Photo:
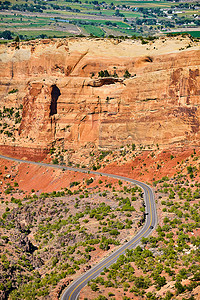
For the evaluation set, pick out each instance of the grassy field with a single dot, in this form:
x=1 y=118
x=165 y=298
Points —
x=49 y=33
x=145 y=4
x=96 y=31
x=195 y=34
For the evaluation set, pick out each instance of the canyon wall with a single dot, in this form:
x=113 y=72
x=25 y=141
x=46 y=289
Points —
x=65 y=101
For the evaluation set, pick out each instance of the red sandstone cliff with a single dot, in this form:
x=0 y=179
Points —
x=64 y=99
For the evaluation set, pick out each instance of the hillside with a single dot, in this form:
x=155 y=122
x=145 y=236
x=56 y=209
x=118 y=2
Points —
x=56 y=224
x=122 y=106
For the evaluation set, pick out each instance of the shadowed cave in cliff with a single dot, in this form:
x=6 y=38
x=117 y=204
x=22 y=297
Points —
x=55 y=93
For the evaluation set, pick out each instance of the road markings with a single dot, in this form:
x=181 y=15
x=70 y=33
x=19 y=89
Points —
x=119 y=252
x=144 y=187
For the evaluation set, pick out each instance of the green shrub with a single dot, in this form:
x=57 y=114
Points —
x=127 y=74
x=13 y=91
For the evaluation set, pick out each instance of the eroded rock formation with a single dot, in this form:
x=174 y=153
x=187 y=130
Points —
x=65 y=100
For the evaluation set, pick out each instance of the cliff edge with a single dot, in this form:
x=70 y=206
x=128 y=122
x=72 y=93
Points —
x=99 y=93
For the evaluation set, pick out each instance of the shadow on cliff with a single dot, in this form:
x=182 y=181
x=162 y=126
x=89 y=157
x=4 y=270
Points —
x=55 y=93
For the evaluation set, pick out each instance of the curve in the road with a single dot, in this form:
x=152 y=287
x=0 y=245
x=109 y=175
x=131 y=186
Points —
x=72 y=292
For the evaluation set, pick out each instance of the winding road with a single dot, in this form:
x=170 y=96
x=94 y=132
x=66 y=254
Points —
x=73 y=290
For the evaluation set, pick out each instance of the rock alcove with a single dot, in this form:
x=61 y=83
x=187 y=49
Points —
x=55 y=93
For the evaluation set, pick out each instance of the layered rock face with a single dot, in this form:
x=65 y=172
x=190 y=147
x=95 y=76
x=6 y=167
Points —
x=64 y=100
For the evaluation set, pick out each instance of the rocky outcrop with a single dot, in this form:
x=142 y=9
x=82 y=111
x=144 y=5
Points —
x=17 y=151
x=64 y=99
x=104 y=81
x=26 y=245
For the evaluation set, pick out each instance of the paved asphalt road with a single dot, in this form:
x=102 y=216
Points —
x=72 y=292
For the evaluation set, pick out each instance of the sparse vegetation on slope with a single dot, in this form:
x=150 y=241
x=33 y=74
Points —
x=50 y=237
x=166 y=265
